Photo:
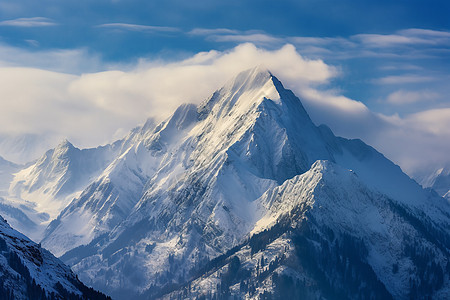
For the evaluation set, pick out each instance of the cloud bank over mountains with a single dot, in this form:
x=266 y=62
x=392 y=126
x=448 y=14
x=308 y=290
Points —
x=96 y=107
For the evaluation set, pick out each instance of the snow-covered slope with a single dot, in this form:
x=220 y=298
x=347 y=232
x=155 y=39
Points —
x=28 y=271
x=195 y=186
x=326 y=234
x=61 y=172
x=333 y=197
x=197 y=146
x=40 y=190
x=34 y=194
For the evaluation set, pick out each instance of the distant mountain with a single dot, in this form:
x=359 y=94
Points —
x=59 y=173
x=24 y=148
x=28 y=271
x=242 y=196
x=438 y=180
x=37 y=192
x=32 y=195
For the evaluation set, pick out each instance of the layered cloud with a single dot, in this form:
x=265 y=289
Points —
x=406 y=97
x=98 y=107
x=410 y=43
x=94 y=108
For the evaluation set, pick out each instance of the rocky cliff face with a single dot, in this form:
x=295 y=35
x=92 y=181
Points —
x=28 y=271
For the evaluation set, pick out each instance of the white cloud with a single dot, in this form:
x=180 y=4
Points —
x=29 y=22
x=406 y=97
x=417 y=141
x=425 y=33
x=93 y=108
x=435 y=121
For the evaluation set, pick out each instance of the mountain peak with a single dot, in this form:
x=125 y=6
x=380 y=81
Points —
x=242 y=93
x=65 y=143
x=253 y=78
x=330 y=168
x=63 y=148
x=253 y=73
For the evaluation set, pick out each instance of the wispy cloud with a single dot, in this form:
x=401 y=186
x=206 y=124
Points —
x=389 y=40
x=137 y=27
x=436 y=121
x=425 y=32
x=412 y=36
x=403 y=79
x=118 y=100
x=402 y=97
x=33 y=43
x=422 y=43
x=256 y=38
x=397 y=66
x=226 y=35
x=29 y=22
x=321 y=41
x=215 y=31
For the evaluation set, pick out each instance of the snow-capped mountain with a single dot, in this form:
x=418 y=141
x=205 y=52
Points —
x=326 y=234
x=36 y=193
x=210 y=177
x=58 y=174
x=28 y=271
x=242 y=195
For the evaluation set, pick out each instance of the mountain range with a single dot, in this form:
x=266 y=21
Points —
x=243 y=196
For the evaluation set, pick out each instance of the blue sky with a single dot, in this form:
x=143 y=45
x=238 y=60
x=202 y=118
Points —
x=391 y=56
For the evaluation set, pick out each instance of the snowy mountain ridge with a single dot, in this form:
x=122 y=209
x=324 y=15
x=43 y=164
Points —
x=307 y=240
x=245 y=172
x=34 y=194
